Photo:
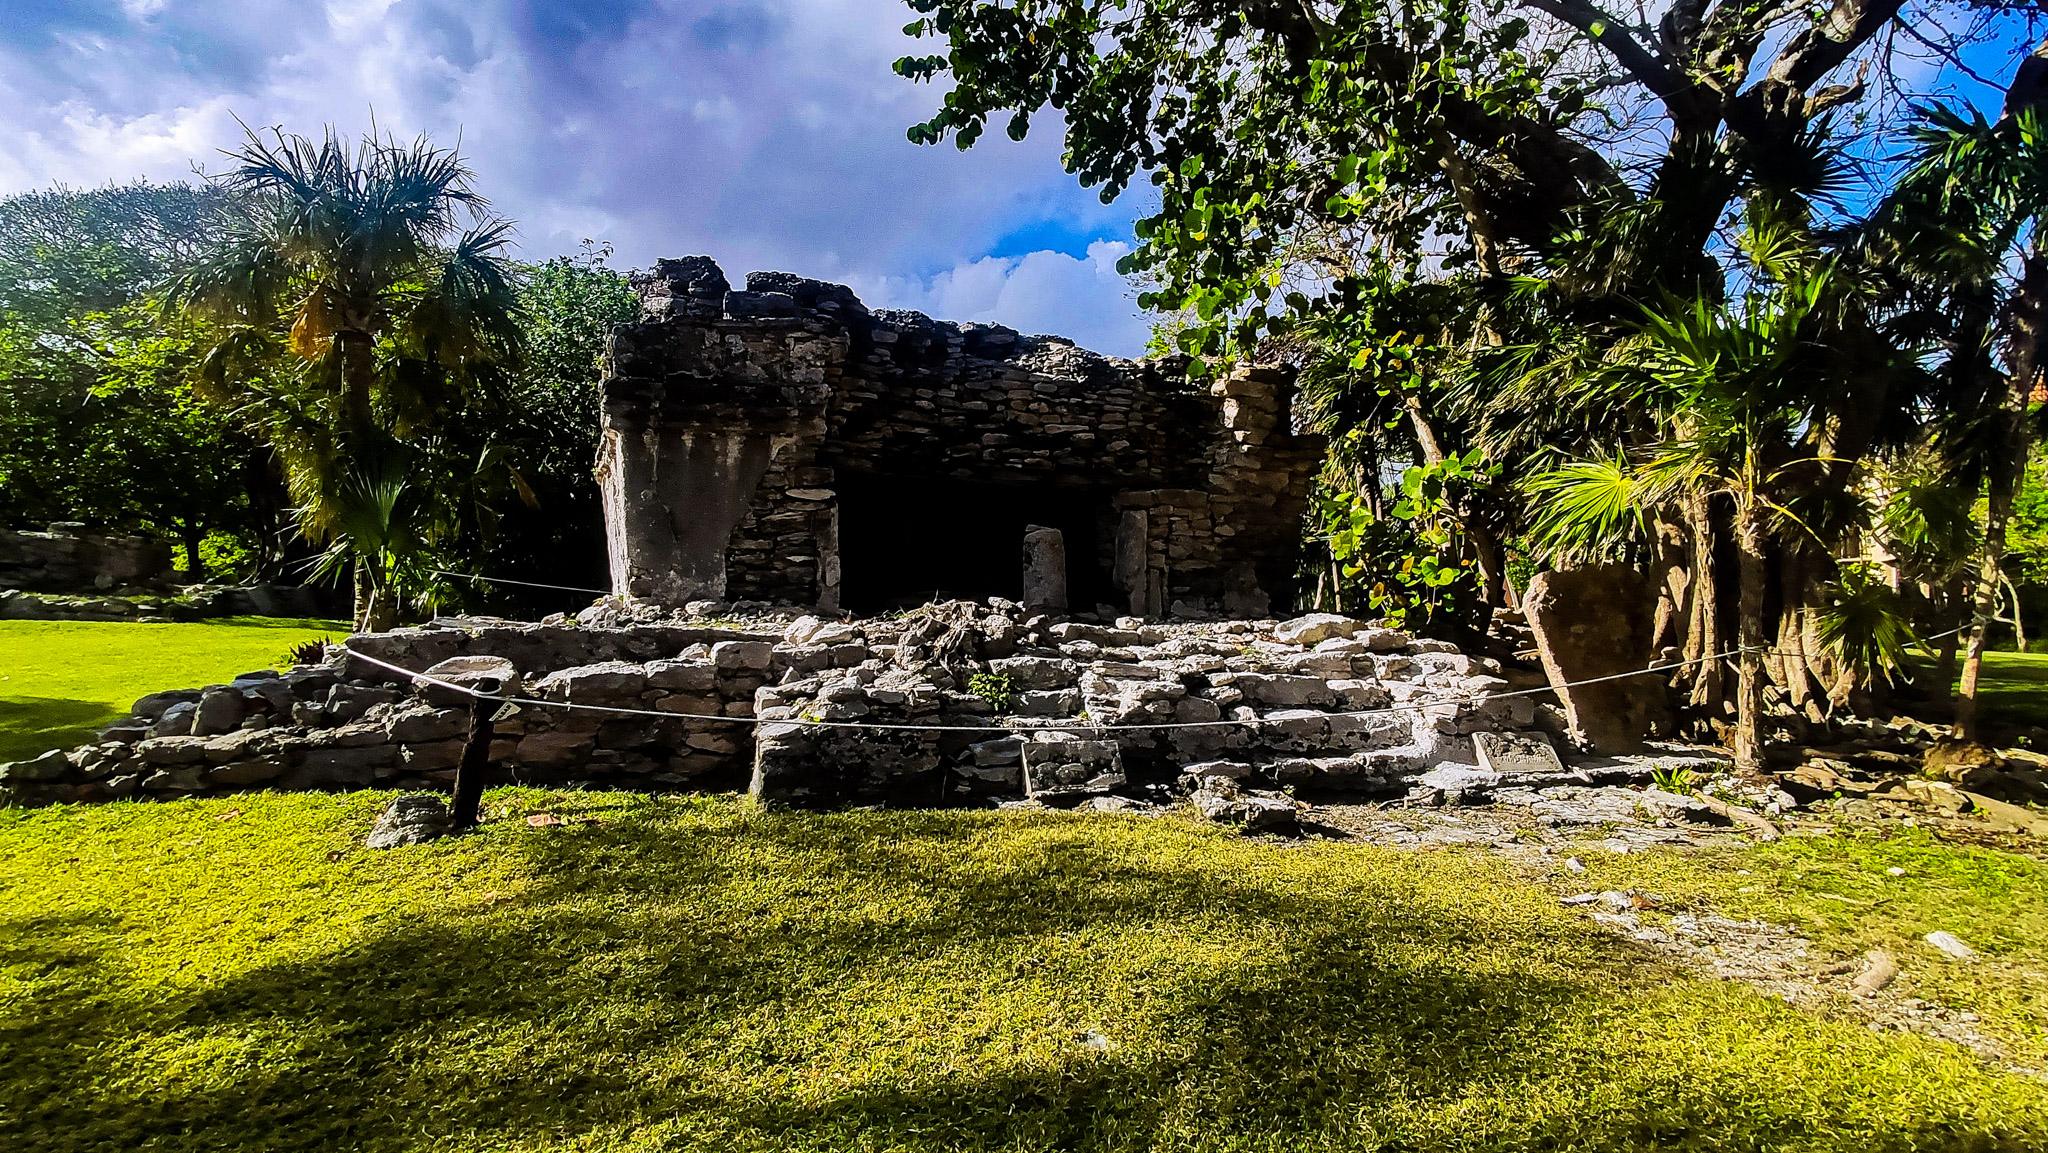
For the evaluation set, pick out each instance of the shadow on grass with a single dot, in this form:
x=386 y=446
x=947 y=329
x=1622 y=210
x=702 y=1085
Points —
x=784 y=982
x=30 y=726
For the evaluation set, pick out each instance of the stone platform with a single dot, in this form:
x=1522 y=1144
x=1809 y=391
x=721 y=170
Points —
x=994 y=703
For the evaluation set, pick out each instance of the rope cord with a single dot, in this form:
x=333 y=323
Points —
x=510 y=581
x=1027 y=726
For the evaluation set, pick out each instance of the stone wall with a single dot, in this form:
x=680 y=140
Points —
x=1249 y=704
x=743 y=430
x=70 y=559
x=188 y=603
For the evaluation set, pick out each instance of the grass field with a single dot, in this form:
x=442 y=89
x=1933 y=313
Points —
x=2013 y=689
x=663 y=973
x=61 y=680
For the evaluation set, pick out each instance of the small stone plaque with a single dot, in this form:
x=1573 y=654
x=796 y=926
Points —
x=1513 y=754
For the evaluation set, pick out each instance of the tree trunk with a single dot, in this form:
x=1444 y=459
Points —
x=1493 y=568
x=1749 y=631
x=358 y=378
x=2008 y=463
x=190 y=537
x=1945 y=664
x=1703 y=634
x=376 y=601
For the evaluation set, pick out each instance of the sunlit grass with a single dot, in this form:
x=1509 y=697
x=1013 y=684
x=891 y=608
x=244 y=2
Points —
x=61 y=680
x=663 y=973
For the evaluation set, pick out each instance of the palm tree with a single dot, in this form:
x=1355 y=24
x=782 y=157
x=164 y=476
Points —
x=1969 y=207
x=359 y=293
x=1737 y=390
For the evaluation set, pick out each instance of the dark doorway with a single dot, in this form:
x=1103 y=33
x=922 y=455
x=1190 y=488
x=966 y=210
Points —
x=905 y=541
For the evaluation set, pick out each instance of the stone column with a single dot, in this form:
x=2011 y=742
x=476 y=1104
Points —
x=1133 y=557
x=672 y=498
x=1045 y=569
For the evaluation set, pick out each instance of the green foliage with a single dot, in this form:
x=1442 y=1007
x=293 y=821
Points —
x=61 y=680
x=1867 y=623
x=363 y=310
x=998 y=689
x=1404 y=564
x=666 y=973
x=98 y=421
x=546 y=421
x=1675 y=779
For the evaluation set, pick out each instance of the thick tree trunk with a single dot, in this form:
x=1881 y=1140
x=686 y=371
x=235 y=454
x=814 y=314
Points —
x=376 y=602
x=358 y=378
x=2008 y=463
x=1493 y=567
x=1749 y=628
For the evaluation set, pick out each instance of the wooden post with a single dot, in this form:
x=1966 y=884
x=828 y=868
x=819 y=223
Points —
x=476 y=755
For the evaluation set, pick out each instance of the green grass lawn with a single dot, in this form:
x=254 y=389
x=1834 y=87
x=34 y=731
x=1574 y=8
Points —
x=666 y=973
x=2013 y=689
x=61 y=680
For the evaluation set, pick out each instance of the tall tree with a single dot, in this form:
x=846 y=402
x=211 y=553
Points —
x=97 y=419
x=379 y=267
x=1520 y=182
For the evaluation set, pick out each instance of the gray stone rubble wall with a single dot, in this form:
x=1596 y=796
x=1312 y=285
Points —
x=190 y=603
x=347 y=723
x=731 y=419
x=70 y=559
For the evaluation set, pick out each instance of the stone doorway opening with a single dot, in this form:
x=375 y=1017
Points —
x=904 y=541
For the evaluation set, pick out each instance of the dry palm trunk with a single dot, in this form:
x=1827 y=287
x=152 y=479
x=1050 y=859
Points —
x=2009 y=458
x=1703 y=632
x=1749 y=635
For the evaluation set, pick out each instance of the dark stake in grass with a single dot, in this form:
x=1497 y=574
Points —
x=476 y=754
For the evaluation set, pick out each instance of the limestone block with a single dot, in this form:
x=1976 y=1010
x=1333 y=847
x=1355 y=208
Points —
x=1045 y=569
x=682 y=676
x=176 y=720
x=1512 y=754
x=1062 y=765
x=605 y=683
x=1038 y=672
x=742 y=656
x=1316 y=628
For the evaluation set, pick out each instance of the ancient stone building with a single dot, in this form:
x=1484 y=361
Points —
x=786 y=444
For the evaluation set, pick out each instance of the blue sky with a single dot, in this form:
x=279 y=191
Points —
x=768 y=133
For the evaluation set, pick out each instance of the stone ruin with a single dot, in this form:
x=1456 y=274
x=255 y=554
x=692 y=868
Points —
x=1095 y=546
x=786 y=444
x=999 y=703
x=70 y=558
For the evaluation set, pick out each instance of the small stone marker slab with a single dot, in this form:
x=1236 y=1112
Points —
x=1513 y=754
x=1064 y=765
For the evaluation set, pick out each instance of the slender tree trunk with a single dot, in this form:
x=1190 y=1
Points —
x=195 y=571
x=1953 y=600
x=1749 y=630
x=1493 y=568
x=2019 y=624
x=2008 y=462
x=1703 y=636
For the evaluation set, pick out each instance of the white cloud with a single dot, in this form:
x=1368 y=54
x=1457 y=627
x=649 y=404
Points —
x=1084 y=299
x=767 y=133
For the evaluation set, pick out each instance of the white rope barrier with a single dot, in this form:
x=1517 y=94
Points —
x=1026 y=726
x=1022 y=726
x=510 y=581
